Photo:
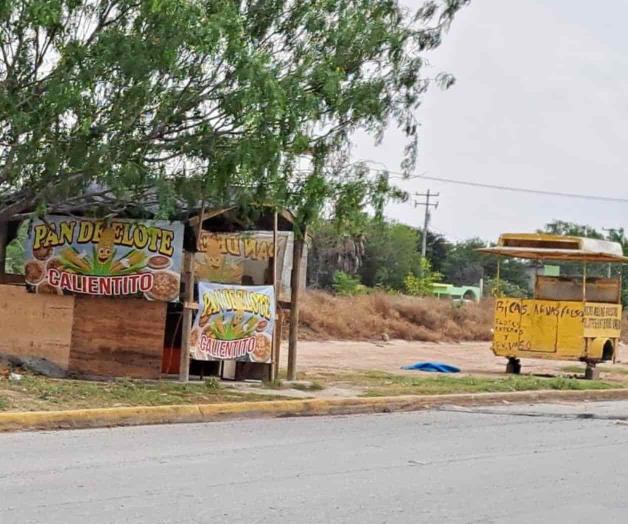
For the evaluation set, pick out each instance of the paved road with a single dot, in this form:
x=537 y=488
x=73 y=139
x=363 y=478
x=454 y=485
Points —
x=492 y=465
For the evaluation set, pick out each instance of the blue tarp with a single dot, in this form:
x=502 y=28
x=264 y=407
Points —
x=432 y=367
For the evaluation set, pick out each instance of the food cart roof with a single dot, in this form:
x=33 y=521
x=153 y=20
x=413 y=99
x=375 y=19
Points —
x=540 y=246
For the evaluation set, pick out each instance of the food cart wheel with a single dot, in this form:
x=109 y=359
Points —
x=591 y=372
x=513 y=366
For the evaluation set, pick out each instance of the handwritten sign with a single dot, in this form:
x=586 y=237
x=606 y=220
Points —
x=549 y=326
x=602 y=320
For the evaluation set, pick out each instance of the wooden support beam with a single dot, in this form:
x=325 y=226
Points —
x=186 y=327
x=295 y=286
x=274 y=370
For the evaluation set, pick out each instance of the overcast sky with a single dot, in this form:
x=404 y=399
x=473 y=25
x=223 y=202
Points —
x=540 y=101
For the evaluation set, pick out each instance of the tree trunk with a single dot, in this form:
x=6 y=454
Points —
x=295 y=289
x=4 y=237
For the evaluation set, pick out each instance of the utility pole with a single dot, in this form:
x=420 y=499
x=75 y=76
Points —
x=427 y=204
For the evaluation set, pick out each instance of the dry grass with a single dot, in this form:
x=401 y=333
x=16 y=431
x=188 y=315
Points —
x=328 y=317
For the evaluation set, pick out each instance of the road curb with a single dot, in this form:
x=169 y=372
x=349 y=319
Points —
x=145 y=415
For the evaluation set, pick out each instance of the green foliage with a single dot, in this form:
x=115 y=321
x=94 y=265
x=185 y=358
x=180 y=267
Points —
x=421 y=285
x=495 y=288
x=212 y=384
x=15 y=252
x=172 y=101
x=438 y=248
x=345 y=284
x=465 y=266
x=390 y=254
x=560 y=227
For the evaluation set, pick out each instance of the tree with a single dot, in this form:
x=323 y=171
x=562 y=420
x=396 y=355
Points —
x=15 y=253
x=421 y=285
x=465 y=266
x=437 y=249
x=201 y=99
x=560 y=227
x=331 y=251
x=390 y=254
x=165 y=102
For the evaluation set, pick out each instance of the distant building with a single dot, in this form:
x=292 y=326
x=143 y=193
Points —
x=471 y=293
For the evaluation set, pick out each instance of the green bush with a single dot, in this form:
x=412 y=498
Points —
x=348 y=285
x=421 y=285
x=504 y=288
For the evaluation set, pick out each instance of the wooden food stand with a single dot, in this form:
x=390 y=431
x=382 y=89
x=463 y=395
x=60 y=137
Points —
x=107 y=299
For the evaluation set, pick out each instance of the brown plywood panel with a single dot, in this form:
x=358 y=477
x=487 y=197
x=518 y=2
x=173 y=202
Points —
x=570 y=289
x=38 y=326
x=117 y=337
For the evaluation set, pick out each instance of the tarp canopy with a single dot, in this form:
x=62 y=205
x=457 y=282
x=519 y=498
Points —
x=538 y=246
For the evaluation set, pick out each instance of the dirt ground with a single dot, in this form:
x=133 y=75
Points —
x=473 y=358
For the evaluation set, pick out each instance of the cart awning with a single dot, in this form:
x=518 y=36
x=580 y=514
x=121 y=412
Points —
x=539 y=246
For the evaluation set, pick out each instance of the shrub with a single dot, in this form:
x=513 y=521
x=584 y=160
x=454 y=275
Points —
x=347 y=285
x=421 y=285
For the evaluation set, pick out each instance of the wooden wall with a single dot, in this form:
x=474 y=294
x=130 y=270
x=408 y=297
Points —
x=37 y=326
x=117 y=337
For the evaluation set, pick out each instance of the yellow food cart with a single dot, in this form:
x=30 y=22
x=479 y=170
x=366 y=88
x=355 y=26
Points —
x=570 y=317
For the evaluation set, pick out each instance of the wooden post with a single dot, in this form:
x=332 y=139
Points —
x=277 y=341
x=295 y=286
x=186 y=325
x=4 y=237
x=584 y=282
x=274 y=367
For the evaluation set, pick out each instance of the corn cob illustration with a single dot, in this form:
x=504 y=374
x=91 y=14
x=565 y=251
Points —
x=71 y=258
x=128 y=262
x=250 y=326
x=104 y=249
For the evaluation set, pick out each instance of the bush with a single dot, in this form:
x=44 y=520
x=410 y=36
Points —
x=505 y=288
x=421 y=285
x=347 y=285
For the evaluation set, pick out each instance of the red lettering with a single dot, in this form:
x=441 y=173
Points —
x=53 y=277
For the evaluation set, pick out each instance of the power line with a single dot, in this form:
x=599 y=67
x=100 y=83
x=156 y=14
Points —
x=513 y=189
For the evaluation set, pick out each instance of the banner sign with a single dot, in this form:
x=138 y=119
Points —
x=245 y=258
x=121 y=258
x=233 y=323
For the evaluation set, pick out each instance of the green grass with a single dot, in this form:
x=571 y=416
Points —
x=605 y=368
x=279 y=384
x=379 y=383
x=34 y=393
x=312 y=386
x=405 y=385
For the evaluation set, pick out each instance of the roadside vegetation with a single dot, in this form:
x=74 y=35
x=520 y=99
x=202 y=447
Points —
x=38 y=393
x=377 y=383
x=379 y=316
